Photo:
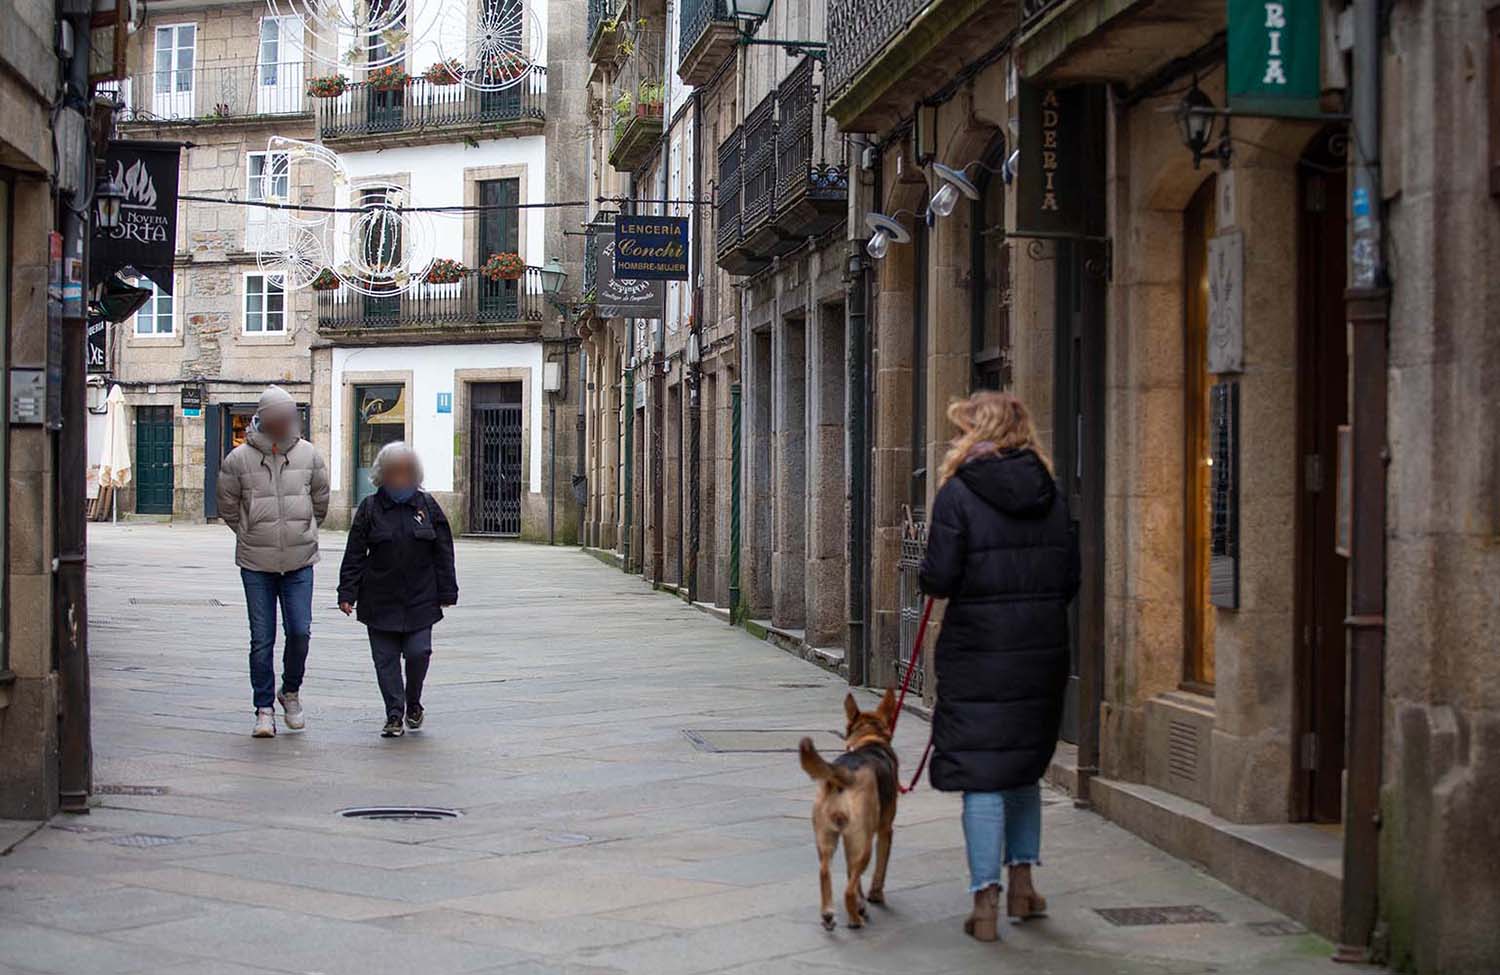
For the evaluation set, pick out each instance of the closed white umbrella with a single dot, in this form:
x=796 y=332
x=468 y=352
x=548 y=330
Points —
x=114 y=453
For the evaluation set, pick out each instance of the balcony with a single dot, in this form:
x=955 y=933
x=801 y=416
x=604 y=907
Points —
x=604 y=36
x=883 y=53
x=778 y=184
x=474 y=303
x=707 y=36
x=635 y=137
x=212 y=93
x=1127 y=41
x=422 y=110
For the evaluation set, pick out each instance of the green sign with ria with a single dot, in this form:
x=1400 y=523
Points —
x=1275 y=57
x=651 y=248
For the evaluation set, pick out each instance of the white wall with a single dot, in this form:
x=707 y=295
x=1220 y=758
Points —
x=432 y=369
x=437 y=179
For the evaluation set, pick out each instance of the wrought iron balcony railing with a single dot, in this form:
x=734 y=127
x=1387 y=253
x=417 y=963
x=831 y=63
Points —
x=472 y=301
x=858 y=29
x=363 y=110
x=706 y=35
x=729 y=190
x=212 y=93
x=1034 y=10
x=759 y=165
x=812 y=186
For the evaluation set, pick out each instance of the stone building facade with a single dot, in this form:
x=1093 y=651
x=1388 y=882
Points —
x=223 y=78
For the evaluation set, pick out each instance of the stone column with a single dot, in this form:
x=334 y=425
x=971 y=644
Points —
x=789 y=484
x=827 y=483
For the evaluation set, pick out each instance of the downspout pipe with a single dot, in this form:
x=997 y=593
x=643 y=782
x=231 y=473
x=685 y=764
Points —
x=857 y=403
x=694 y=371
x=1367 y=303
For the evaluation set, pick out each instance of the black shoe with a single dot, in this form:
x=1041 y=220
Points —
x=414 y=716
x=393 y=728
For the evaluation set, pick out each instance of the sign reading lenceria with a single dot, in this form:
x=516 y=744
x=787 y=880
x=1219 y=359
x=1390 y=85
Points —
x=651 y=248
x=1275 y=51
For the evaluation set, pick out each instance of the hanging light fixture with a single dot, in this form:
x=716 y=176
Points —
x=108 y=195
x=692 y=354
x=753 y=11
x=885 y=230
x=1195 y=122
x=553 y=276
x=955 y=184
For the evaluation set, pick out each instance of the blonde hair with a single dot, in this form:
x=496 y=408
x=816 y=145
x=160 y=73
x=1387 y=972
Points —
x=989 y=418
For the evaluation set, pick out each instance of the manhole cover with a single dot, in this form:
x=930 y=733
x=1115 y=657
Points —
x=156 y=601
x=1130 y=917
x=143 y=840
x=1277 y=929
x=400 y=813
x=760 y=739
x=130 y=790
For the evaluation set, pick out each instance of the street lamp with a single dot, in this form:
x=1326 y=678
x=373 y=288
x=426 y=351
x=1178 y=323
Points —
x=1195 y=123
x=886 y=230
x=955 y=183
x=754 y=11
x=108 y=195
x=750 y=14
x=553 y=277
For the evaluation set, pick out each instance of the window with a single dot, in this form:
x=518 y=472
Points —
x=267 y=176
x=270 y=49
x=379 y=419
x=175 y=49
x=155 y=316
x=265 y=304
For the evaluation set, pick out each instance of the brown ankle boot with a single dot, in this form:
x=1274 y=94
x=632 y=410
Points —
x=1021 y=900
x=982 y=924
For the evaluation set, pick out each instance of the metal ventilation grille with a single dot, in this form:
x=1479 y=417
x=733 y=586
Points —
x=1182 y=750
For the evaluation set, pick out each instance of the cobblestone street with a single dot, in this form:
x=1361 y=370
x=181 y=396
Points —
x=629 y=794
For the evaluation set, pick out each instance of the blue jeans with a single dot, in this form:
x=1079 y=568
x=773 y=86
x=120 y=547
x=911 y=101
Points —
x=1016 y=815
x=263 y=590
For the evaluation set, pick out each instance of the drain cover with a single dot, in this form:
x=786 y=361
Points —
x=143 y=840
x=1130 y=917
x=760 y=739
x=400 y=813
x=130 y=790
x=1277 y=929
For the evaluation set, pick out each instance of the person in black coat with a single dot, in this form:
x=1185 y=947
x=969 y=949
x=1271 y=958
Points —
x=398 y=571
x=1001 y=549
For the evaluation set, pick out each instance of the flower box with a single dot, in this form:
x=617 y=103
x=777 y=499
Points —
x=327 y=86
x=503 y=267
x=390 y=78
x=445 y=73
x=445 y=271
x=327 y=280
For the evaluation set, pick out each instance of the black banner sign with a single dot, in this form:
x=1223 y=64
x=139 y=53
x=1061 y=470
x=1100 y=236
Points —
x=624 y=297
x=146 y=238
x=97 y=348
x=651 y=248
x=1051 y=182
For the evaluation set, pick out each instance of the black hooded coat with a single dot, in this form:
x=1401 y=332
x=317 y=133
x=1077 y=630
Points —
x=1001 y=548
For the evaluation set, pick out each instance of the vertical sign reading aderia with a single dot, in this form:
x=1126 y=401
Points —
x=1275 y=56
x=146 y=238
x=1050 y=189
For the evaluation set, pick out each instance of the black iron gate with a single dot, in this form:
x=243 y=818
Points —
x=495 y=474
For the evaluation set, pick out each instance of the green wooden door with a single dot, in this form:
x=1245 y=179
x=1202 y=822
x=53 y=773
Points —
x=153 y=460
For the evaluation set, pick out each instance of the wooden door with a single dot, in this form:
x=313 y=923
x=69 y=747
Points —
x=1322 y=383
x=153 y=460
x=1198 y=611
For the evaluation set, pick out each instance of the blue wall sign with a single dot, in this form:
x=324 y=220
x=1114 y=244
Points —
x=651 y=248
x=445 y=402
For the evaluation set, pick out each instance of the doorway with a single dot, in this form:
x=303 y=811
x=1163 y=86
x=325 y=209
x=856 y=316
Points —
x=499 y=233
x=224 y=428
x=154 y=477
x=1322 y=408
x=1199 y=226
x=497 y=435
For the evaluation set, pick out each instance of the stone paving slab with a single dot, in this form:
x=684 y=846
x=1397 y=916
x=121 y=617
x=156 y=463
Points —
x=597 y=836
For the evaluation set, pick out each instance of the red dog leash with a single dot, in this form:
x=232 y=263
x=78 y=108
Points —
x=911 y=668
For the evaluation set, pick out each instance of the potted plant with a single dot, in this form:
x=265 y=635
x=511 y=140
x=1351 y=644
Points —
x=505 y=266
x=445 y=73
x=622 y=104
x=327 y=86
x=445 y=271
x=392 y=77
x=652 y=94
x=326 y=280
x=506 y=66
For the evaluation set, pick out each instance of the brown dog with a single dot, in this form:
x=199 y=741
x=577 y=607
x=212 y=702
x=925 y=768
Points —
x=857 y=801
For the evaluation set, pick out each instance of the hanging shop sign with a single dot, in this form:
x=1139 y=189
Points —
x=625 y=297
x=97 y=333
x=1275 y=51
x=192 y=400
x=146 y=238
x=1226 y=303
x=1051 y=187
x=651 y=248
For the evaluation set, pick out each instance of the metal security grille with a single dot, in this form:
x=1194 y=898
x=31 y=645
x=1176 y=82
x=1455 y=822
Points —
x=495 y=497
x=913 y=547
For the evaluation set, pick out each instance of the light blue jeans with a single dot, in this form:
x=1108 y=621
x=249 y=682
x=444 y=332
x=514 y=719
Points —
x=1014 y=815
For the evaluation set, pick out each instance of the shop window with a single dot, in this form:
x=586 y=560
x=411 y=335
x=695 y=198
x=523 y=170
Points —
x=1198 y=397
x=990 y=264
x=265 y=304
x=379 y=419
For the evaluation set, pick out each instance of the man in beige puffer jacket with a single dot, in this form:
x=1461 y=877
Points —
x=273 y=492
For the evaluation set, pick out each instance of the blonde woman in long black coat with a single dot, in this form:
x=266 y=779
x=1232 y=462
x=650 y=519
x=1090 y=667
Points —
x=1001 y=549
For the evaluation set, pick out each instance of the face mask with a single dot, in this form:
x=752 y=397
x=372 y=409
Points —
x=403 y=495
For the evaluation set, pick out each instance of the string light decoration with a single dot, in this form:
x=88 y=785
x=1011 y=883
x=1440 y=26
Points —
x=361 y=33
x=495 y=49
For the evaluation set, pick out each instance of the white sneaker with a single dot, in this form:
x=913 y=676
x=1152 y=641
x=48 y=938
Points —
x=265 y=723
x=292 y=705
